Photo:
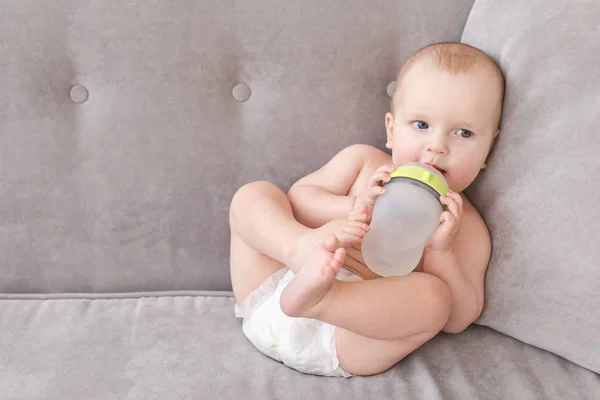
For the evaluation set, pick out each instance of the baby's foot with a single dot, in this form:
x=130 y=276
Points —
x=301 y=297
x=348 y=232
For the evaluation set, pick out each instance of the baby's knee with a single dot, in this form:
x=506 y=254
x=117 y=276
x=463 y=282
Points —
x=248 y=194
x=251 y=190
x=436 y=297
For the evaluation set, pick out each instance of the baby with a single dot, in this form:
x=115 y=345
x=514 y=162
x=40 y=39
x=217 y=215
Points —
x=300 y=282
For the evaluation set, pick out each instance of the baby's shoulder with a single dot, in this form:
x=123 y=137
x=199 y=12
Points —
x=366 y=152
x=470 y=210
x=473 y=232
x=368 y=157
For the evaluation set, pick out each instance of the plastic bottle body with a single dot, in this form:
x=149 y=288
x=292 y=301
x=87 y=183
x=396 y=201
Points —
x=404 y=218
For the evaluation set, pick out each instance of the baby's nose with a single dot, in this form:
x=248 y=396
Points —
x=437 y=147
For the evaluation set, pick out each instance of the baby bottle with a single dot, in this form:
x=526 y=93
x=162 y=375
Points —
x=404 y=218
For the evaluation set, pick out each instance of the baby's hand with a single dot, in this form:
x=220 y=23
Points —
x=365 y=201
x=444 y=237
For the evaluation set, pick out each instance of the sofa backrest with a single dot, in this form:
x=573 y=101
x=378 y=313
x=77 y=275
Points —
x=126 y=127
x=540 y=192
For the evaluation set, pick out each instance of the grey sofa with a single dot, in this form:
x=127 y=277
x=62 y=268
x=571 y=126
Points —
x=126 y=127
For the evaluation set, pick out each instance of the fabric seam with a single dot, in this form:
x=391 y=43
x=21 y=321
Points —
x=112 y=296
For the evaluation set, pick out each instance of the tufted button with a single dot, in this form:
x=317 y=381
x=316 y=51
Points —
x=79 y=94
x=241 y=92
x=390 y=88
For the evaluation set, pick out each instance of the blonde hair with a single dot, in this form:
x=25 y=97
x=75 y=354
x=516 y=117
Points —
x=454 y=58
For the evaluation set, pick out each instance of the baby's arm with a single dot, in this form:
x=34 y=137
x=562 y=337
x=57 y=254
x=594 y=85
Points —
x=322 y=196
x=462 y=269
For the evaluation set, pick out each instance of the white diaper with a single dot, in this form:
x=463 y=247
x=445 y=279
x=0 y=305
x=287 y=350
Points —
x=305 y=344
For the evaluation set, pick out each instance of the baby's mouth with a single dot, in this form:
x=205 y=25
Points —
x=442 y=171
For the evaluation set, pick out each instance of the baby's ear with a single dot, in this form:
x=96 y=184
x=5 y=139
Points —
x=389 y=129
x=493 y=142
x=491 y=147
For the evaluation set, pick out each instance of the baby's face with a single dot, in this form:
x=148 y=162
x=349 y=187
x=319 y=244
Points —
x=445 y=120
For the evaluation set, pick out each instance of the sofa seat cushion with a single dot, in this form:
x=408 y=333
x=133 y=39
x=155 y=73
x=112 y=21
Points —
x=189 y=345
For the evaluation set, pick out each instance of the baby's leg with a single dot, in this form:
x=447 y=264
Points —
x=360 y=355
x=389 y=308
x=265 y=236
x=378 y=321
x=261 y=221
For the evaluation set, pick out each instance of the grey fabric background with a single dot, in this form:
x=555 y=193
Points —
x=539 y=194
x=192 y=347
x=130 y=190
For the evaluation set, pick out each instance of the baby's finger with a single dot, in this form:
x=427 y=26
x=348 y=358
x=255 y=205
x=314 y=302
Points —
x=360 y=208
x=379 y=177
x=386 y=168
x=373 y=193
x=458 y=198
x=359 y=224
x=347 y=239
x=448 y=222
x=355 y=231
x=359 y=217
x=451 y=203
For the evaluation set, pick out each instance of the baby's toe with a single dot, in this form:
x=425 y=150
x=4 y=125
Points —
x=339 y=256
x=331 y=243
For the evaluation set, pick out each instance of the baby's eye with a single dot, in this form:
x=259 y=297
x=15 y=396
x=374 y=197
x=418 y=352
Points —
x=420 y=125
x=464 y=133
